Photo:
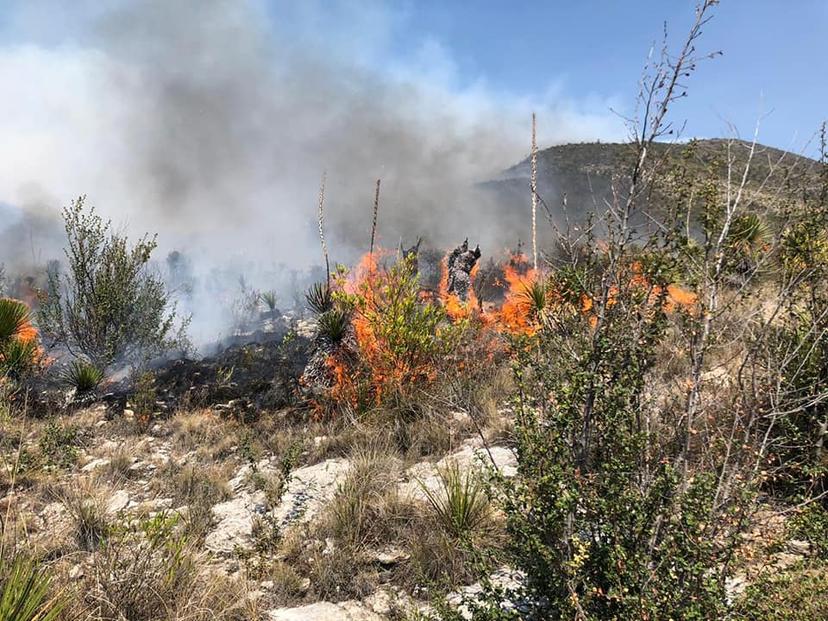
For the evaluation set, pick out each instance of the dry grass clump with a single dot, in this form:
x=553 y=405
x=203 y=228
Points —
x=90 y=523
x=199 y=487
x=119 y=467
x=150 y=571
x=204 y=431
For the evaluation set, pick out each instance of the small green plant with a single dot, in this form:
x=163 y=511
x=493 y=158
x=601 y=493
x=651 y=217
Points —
x=83 y=376
x=460 y=504
x=319 y=298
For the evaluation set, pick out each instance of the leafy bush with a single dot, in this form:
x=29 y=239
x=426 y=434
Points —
x=403 y=339
x=59 y=444
x=796 y=595
x=108 y=306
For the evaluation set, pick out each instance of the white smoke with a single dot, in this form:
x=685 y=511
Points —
x=211 y=121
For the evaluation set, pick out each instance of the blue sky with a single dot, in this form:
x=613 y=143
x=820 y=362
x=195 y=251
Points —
x=774 y=63
x=167 y=111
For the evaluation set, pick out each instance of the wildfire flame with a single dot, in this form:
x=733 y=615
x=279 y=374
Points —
x=456 y=308
x=528 y=297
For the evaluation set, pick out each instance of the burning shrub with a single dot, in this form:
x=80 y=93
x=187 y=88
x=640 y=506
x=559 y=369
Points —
x=402 y=338
x=19 y=349
x=108 y=306
x=379 y=338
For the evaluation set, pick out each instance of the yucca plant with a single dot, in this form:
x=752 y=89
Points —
x=269 y=298
x=332 y=325
x=24 y=592
x=319 y=298
x=748 y=233
x=83 y=376
x=18 y=348
x=535 y=297
x=460 y=503
x=14 y=316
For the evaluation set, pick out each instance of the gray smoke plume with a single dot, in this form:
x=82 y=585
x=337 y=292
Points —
x=211 y=121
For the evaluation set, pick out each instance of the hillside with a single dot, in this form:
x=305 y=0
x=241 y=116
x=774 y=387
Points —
x=584 y=171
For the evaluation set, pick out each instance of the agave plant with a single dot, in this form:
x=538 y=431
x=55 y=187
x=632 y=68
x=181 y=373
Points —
x=319 y=298
x=24 y=592
x=18 y=348
x=332 y=325
x=83 y=376
x=748 y=232
x=14 y=317
x=535 y=297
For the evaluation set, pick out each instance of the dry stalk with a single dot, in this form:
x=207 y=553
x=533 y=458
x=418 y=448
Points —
x=534 y=184
x=374 y=222
x=321 y=229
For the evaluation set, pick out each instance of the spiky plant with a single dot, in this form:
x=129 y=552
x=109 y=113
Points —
x=460 y=502
x=535 y=296
x=24 y=592
x=269 y=298
x=748 y=233
x=18 y=348
x=319 y=298
x=83 y=376
x=14 y=316
x=18 y=356
x=332 y=325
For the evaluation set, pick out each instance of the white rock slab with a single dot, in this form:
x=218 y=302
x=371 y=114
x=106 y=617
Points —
x=326 y=611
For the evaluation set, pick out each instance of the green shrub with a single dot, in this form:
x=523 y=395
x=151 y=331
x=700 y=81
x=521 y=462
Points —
x=796 y=595
x=59 y=444
x=108 y=306
x=811 y=524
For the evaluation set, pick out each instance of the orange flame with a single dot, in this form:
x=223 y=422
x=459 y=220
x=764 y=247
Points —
x=27 y=333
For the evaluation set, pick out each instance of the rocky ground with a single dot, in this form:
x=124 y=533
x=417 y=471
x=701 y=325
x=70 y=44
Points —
x=267 y=504
x=233 y=499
